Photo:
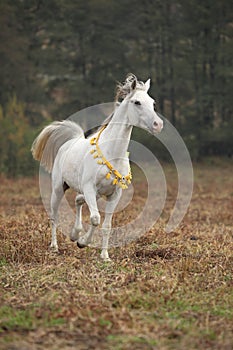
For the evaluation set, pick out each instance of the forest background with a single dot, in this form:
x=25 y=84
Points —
x=58 y=57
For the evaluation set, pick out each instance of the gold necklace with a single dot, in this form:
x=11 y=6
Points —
x=120 y=180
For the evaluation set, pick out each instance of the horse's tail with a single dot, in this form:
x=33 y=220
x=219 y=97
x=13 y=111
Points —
x=45 y=147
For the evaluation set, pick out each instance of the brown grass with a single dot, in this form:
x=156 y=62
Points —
x=164 y=291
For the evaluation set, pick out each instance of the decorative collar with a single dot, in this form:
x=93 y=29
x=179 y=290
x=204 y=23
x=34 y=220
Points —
x=120 y=180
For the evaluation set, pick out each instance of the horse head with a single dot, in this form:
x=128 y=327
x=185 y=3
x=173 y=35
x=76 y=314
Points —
x=141 y=108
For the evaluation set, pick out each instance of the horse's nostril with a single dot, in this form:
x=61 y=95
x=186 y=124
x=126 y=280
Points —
x=155 y=124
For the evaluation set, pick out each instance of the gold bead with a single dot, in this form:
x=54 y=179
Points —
x=93 y=141
x=115 y=181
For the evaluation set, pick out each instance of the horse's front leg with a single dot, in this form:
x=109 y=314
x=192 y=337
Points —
x=90 y=199
x=78 y=227
x=111 y=204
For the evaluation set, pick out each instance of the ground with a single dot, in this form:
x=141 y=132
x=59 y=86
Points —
x=162 y=291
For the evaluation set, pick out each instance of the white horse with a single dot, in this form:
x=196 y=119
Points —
x=97 y=165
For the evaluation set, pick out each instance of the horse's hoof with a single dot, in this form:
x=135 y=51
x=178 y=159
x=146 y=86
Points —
x=104 y=256
x=75 y=233
x=80 y=245
x=53 y=248
x=73 y=239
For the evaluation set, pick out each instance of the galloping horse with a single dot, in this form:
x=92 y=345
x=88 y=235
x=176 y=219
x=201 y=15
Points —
x=95 y=166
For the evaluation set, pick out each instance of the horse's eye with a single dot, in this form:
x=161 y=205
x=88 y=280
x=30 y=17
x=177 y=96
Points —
x=138 y=103
x=155 y=107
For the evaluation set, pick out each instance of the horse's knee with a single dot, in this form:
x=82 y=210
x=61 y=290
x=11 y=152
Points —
x=79 y=200
x=95 y=220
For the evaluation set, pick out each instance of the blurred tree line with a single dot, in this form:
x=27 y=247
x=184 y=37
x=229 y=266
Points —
x=60 y=56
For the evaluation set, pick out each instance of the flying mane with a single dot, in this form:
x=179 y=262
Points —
x=123 y=89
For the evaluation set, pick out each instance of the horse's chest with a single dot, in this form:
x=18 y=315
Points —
x=105 y=187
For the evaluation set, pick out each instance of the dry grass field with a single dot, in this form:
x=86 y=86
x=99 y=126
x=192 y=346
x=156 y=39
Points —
x=163 y=291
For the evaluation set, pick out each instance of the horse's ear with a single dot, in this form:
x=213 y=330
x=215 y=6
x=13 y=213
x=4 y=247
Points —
x=147 y=85
x=134 y=84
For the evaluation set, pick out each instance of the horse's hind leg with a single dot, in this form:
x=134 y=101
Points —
x=90 y=199
x=56 y=198
x=78 y=227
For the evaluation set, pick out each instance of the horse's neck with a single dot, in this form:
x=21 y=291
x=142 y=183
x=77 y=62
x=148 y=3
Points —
x=115 y=138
